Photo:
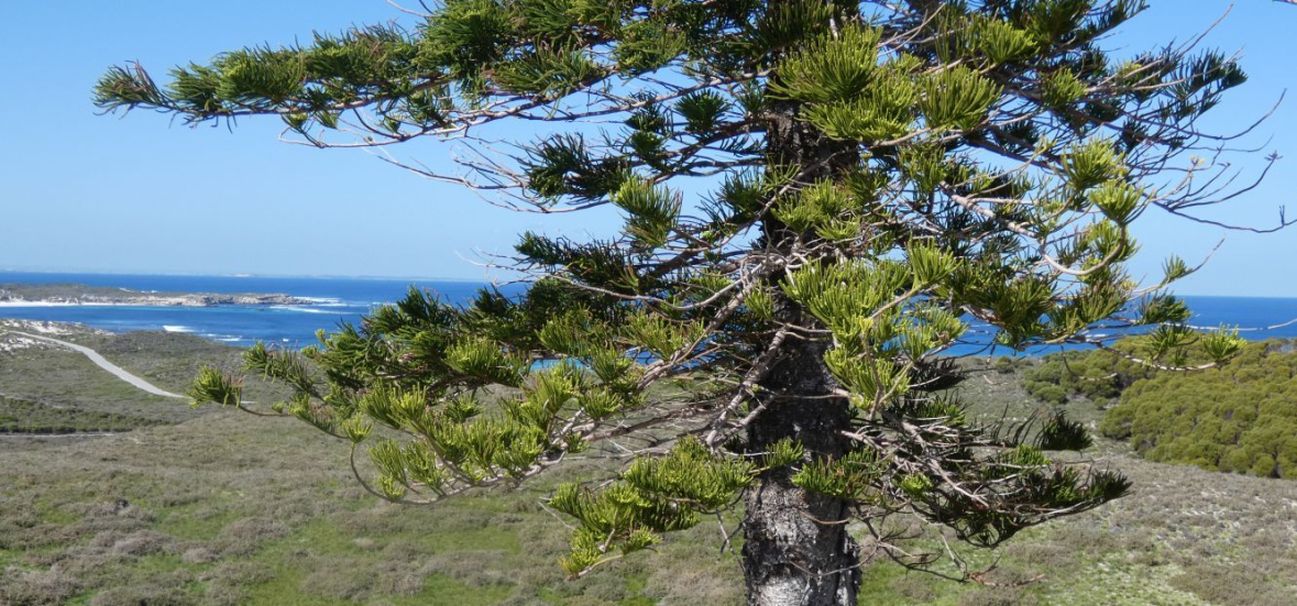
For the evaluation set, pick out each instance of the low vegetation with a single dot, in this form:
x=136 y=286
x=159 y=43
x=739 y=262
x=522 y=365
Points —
x=56 y=379
x=215 y=510
x=1095 y=375
x=26 y=416
x=60 y=291
x=1240 y=417
x=61 y=391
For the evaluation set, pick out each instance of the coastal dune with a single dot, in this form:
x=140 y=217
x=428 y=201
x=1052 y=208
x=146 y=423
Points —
x=100 y=361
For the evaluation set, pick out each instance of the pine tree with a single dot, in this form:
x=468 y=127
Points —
x=880 y=175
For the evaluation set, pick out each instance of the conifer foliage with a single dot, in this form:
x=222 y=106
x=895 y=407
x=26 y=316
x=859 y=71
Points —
x=880 y=176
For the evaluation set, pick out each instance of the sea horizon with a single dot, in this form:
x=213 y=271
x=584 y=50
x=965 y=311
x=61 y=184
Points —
x=382 y=278
x=331 y=301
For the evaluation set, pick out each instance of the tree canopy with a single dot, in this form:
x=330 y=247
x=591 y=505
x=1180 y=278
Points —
x=878 y=176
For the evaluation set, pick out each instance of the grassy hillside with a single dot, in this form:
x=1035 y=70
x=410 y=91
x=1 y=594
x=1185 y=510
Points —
x=69 y=391
x=62 y=387
x=26 y=416
x=209 y=507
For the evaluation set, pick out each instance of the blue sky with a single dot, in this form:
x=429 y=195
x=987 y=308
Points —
x=80 y=192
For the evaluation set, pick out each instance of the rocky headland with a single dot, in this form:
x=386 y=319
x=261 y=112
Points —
x=15 y=295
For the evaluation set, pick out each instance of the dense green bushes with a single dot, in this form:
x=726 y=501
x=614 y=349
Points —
x=1097 y=375
x=1241 y=417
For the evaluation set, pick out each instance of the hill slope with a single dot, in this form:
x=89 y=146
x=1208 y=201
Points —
x=205 y=507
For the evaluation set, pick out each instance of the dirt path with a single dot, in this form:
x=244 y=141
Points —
x=103 y=363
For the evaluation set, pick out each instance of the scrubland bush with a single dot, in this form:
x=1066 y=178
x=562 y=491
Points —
x=1004 y=365
x=1097 y=375
x=1241 y=417
x=32 y=588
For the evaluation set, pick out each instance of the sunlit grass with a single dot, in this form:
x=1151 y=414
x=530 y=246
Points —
x=222 y=509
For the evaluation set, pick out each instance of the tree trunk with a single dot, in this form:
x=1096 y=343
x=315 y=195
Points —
x=797 y=550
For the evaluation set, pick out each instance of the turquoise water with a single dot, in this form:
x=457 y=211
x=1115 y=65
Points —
x=336 y=300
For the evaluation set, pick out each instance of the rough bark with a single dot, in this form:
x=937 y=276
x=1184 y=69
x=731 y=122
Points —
x=797 y=549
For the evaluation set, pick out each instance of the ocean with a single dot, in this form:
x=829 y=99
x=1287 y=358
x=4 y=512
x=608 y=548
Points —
x=337 y=300
x=332 y=301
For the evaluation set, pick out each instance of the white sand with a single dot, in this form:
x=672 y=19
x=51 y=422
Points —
x=23 y=303
x=42 y=303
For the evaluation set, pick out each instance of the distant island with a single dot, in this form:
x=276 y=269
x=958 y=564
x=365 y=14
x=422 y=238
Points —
x=31 y=295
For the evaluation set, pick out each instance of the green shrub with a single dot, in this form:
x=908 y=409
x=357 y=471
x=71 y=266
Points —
x=1005 y=365
x=1241 y=417
x=1097 y=375
x=1047 y=392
